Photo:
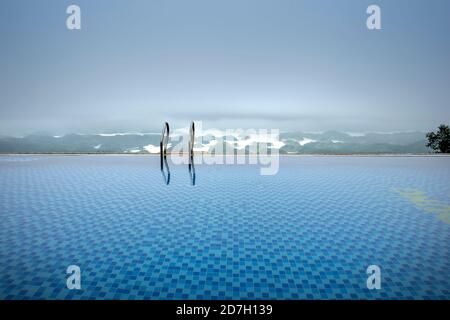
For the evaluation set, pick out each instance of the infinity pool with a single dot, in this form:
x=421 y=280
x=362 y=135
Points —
x=308 y=232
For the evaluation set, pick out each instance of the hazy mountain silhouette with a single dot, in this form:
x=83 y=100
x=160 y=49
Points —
x=330 y=142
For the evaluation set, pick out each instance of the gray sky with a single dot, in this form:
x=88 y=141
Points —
x=308 y=65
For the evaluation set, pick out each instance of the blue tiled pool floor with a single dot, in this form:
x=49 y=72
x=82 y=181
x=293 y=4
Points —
x=308 y=232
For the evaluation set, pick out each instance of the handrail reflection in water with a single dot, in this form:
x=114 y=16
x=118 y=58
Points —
x=192 y=172
x=165 y=165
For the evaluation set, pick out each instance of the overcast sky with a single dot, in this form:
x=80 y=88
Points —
x=308 y=65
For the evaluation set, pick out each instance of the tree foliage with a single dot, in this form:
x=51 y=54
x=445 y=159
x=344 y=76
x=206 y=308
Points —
x=440 y=140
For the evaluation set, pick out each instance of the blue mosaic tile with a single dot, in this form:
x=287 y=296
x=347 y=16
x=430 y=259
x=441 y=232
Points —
x=308 y=232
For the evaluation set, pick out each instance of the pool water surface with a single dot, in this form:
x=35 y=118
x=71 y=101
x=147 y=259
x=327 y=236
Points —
x=308 y=232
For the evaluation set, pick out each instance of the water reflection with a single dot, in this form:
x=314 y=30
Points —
x=192 y=171
x=165 y=171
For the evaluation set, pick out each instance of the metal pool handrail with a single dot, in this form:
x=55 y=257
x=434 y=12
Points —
x=191 y=141
x=191 y=153
x=163 y=142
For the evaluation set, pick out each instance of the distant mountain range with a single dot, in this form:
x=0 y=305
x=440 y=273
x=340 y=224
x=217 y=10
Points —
x=335 y=142
x=330 y=142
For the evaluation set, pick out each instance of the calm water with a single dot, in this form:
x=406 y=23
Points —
x=308 y=232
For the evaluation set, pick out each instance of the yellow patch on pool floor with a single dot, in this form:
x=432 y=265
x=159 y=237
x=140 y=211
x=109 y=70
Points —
x=421 y=200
